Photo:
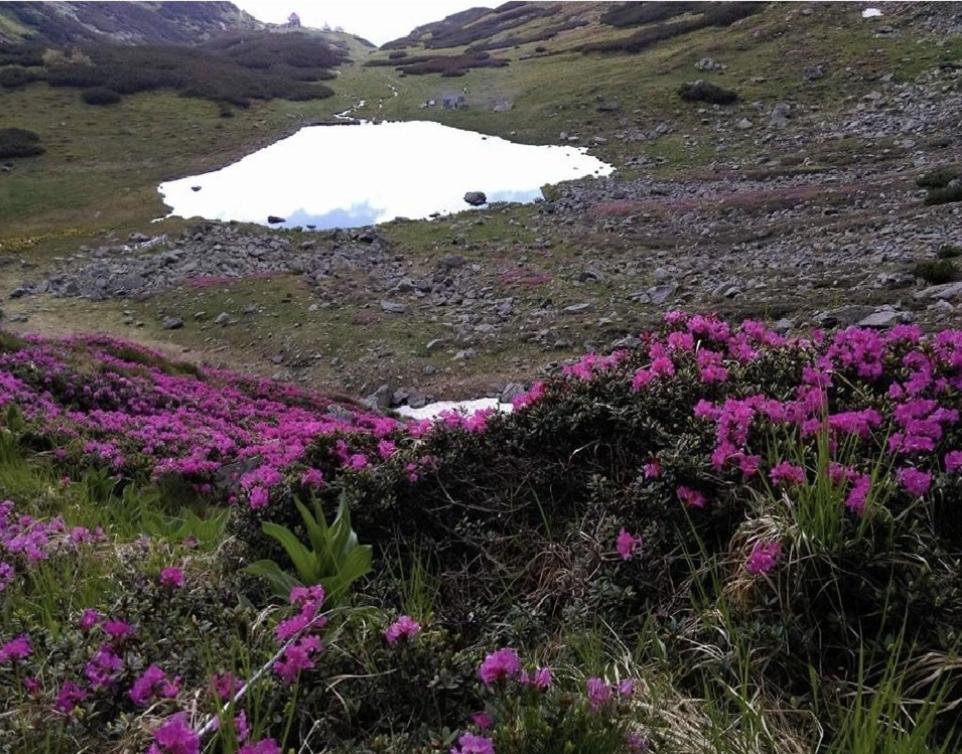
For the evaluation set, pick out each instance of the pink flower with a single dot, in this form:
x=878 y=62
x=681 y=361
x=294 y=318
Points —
x=117 y=629
x=626 y=688
x=69 y=696
x=763 y=557
x=16 y=650
x=858 y=495
x=541 y=679
x=225 y=685
x=153 y=682
x=627 y=544
x=175 y=736
x=404 y=627
x=637 y=743
x=259 y=498
x=785 y=474
x=264 y=746
x=499 y=666
x=312 y=478
x=599 y=693
x=652 y=469
x=172 y=577
x=103 y=668
x=88 y=619
x=953 y=461
x=913 y=481
x=472 y=744
x=691 y=498
x=482 y=720
x=297 y=658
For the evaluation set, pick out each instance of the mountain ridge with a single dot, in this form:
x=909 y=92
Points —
x=121 y=22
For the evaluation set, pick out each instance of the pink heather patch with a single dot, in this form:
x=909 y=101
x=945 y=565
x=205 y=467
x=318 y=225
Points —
x=175 y=736
x=542 y=678
x=786 y=474
x=117 y=629
x=498 y=666
x=598 y=692
x=953 y=461
x=313 y=478
x=297 y=658
x=172 y=577
x=69 y=696
x=259 y=498
x=627 y=544
x=858 y=495
x=16 y=650
x=763 y=558
x=652 y=470
x=691 y=498
x=482 y=720
x=264 y=746
x=913 y=481
x=472 y=744
x=153 y=683
x=404 y=627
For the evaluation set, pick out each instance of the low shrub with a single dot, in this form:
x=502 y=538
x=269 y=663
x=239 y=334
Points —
x=951 y=193
x=635 y=14
x=13 y=77
x=235 y=68
x=938 y=178
x=936 y=271
x=644 y=14
x=949 y=251
x=706 y=91
x=100 y=95
x=19 y=142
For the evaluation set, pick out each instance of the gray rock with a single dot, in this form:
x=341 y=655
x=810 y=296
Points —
x=274 y=219
x=395 y=307
x=659 y=294
x=222 y=319
x=380 y=399
x=591 y=275
x=744 y=124
x=172 y=323
x=945 y=292
x=436 y=344
x=511 y=391
x=577 y=308
x=882 y=318
x=781 y=114
x=475 y=198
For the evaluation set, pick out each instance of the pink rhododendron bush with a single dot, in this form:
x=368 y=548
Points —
x=720 y=540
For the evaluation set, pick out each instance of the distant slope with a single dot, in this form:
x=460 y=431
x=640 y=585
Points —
x=120 y=22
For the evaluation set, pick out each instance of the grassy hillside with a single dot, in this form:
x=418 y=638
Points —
x=692 y=184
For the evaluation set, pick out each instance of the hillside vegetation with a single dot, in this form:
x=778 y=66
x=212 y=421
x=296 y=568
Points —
x=722 y=540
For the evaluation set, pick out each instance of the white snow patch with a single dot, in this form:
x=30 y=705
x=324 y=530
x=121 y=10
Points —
x=467 y=407
x=871 y=13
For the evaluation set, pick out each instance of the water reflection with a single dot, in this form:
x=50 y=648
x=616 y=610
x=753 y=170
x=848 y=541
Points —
x=346 y=176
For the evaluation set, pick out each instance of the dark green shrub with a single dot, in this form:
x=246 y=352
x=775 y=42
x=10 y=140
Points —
x=951 y=193
x=13 y=77
x=18 y=142
x=938 y=178
x=949 y=251
x=100 y=95
x=636 y=14
x=705 y=91
x=936 y=271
